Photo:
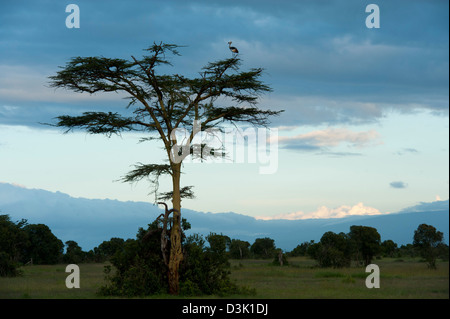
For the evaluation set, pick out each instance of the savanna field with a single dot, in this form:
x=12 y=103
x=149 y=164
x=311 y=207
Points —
x=405 y=278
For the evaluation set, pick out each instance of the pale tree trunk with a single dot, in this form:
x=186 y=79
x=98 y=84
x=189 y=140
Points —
x=280 y=257
x=176 y=254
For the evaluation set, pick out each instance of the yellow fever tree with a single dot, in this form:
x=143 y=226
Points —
x=161 y=104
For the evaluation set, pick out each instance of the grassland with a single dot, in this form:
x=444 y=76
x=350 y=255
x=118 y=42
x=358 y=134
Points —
x=403 y=279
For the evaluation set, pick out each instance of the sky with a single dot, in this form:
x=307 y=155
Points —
x=366 y=110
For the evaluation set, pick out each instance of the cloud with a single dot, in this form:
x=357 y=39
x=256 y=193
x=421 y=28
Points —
x=27 y=99
x=330 y=137
x=324 y=65
x=398 y=184
x=21 y=83
x=14 y=184
x=339 y=154
x=325 y=212
x=405 y=151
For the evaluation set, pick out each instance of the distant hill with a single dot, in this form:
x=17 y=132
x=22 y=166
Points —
x=91 y=221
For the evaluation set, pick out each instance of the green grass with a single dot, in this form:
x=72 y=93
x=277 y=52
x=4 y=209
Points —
x=49 y=281
x=408 y=278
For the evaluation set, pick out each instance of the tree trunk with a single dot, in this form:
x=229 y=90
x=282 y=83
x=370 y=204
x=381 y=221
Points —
x=176 y=254
x=280 y=257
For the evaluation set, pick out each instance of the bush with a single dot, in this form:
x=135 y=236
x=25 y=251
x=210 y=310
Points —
x=276 y=259
x=206 y=270
x=333 y=250
x=8 y=268
x=140 y=269
x=332 y=257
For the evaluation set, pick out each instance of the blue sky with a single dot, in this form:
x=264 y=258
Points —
x=365 y=128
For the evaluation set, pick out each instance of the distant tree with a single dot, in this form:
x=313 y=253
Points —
x=443 y=251
x=74 y=254
x=301 y=250
x=408 y=250
x=218 y=244
x=263 y=248
x=427 y=239
x=389 y=248
x=334 y=250
x=162 y=104
x=107 y=249
x=313 y=249
x=43 y=247
x=12 y=243
x=365 y=242
x=239 y=249
x=280 y=258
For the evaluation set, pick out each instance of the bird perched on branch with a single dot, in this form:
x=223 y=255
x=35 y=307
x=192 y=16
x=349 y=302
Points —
x=233 y=49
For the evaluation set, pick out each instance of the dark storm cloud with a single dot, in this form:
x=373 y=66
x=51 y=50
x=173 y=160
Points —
x=324 y=65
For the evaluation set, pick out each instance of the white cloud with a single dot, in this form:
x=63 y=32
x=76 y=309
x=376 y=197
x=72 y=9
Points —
x=332 y=137
x=14 y=184
x=325 y=212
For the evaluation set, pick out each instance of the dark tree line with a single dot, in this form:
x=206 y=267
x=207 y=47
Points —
x=363 y=243
x=205 y=268
x=140 y=269
x=22 y=243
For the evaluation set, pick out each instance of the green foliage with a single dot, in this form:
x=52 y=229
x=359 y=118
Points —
x=13 y=240
x=427 y=239
x=263 y=248
x=334 y=250
x=151 y=172
x=338 y=250
x=206 y=270
x=140 y=269
x=366 y=243
x=239 y=249
x=43 y=247
x=408 y=250
x=301 y=250
x=363 y=243
x=21 y=242
x=8 y=267
x=443 y=251
x=97 y=123
x=280 y=259
x=74 y=254
x=162 y=102
x=107 y=249
x=389 y=248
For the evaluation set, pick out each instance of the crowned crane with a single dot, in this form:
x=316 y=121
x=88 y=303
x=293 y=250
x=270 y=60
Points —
x=233 y=49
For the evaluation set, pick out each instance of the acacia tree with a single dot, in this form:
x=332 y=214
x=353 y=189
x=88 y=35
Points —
x=161 y=104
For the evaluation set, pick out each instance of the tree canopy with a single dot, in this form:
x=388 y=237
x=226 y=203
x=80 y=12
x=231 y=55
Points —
x=162 y=104
x=427 y=239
